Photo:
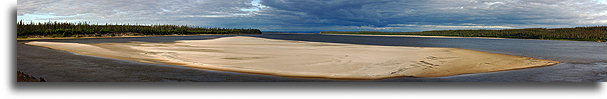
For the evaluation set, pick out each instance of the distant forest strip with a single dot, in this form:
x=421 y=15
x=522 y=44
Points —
x=84 y=29
x=596 y=33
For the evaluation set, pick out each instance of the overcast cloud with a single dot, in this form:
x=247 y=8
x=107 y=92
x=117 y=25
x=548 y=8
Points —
x=321 y=15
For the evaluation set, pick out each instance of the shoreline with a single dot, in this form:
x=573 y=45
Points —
x=452 y=37
x=225 y=53
x=60 y=38
x=422 y=36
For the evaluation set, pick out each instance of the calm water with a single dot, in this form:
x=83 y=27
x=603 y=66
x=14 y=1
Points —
x=582 y=61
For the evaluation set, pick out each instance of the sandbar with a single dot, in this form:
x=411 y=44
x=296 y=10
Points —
x=306 y=59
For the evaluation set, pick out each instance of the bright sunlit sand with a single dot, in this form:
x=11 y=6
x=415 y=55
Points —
x=306 y=59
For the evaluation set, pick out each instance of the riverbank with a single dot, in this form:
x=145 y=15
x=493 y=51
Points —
x=416 y=36
x=593 y=33
x=122 y=36
x=411 y=35
x=306 y=59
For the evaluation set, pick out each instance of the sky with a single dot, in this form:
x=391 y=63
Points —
x=324 y=15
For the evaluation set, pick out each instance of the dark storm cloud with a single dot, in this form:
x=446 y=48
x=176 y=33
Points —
x=441 y=13
x=385 y=15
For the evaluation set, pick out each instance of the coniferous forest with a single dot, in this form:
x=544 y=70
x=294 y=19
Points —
x=84 y=29
x=596 y=33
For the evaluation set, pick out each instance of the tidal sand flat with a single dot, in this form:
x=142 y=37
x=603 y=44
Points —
x=306 y=59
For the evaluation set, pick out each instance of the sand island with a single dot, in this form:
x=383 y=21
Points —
x=306 y=59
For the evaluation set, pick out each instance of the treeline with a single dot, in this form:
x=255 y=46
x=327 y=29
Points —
x=595 y=33
x=65 y=29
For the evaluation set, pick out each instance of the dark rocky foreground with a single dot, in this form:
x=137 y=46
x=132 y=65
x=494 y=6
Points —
x=22 y=77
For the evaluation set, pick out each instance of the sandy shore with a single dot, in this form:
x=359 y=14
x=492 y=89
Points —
x=306 y=59
x=89 y=37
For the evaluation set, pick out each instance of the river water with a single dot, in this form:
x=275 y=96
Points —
x=581 y=61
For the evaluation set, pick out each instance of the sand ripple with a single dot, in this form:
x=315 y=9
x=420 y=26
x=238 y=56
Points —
x=307 y=59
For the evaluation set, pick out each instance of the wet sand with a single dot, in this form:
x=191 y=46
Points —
x=306 y=59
